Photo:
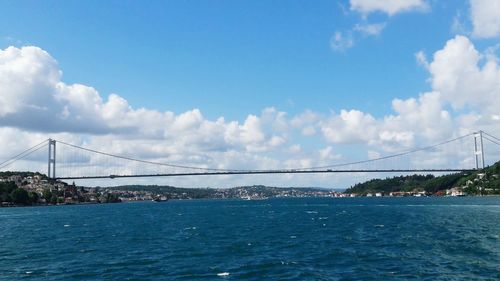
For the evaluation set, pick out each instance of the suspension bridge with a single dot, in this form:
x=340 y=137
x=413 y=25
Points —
x=72 y=162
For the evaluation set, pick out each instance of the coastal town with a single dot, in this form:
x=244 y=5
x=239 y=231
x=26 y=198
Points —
x=20 y=189
x=26 y=188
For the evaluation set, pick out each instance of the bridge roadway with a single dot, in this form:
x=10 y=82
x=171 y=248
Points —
x=260 y=172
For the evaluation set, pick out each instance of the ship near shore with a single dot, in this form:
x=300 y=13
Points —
x=159 y=199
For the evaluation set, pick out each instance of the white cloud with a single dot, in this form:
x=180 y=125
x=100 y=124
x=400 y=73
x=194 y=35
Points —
x=465 y=78
x=24 y=74
x=341 y=42
x=296 y=148
x=389 y=7
x=458 y=25
x=460 y=77
x=349 y=126
x=373 y=29
x=327 y=155
x=425 y=116
x=36 y=104
x=34 y=98
x=415 y=119
x=306 y=121
x=422 y=59
x=485 y=15
x=373 y=154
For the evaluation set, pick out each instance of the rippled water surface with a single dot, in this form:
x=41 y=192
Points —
x=278 y=239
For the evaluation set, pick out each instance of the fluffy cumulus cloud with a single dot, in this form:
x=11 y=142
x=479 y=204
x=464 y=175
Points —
x=425 y=114
x=35 y=101
x=485 y=15
x=33 y=97
x=36 y=104
x=415 y=120
x=306 y=122
x=465 y=97
x=466 y=78
x=389 y=7
x=349 y=126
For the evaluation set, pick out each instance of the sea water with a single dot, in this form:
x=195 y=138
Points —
x=275 y=239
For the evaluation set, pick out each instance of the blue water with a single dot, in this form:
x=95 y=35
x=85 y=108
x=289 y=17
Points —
x=277 y=239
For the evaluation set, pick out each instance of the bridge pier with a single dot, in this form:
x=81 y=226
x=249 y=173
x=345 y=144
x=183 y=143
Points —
x=479 y=150
x=51 y=173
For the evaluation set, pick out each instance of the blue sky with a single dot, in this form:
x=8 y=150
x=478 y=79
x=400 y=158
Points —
x=231 y=58
x=234 y=59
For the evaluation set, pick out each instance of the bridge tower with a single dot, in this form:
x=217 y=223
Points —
x=52 y=159
x=479 y=150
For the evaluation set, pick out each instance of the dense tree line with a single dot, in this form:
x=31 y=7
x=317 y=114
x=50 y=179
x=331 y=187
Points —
x=10 y=193
x=7 y=174
x=486 y=183
x=399 y=183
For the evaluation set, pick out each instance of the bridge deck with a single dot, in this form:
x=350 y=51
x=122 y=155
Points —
x=270 y=172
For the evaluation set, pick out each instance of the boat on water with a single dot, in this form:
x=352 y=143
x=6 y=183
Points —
x=160 y=199
x=253 y=198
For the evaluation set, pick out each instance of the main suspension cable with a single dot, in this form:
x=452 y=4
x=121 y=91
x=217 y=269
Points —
x=23 y=154
x=388 y=156
x=146 y=161
x=250 y=170
x=495 y=142
x=491 y=136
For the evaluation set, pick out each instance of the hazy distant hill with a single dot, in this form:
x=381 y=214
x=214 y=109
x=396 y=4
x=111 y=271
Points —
x=255 y=191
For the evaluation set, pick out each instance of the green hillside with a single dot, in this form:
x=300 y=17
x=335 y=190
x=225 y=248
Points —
x=481 y=182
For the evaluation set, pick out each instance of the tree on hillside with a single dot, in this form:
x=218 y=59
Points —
x=33 y=197
x=6 y=189
x=47 y=195
x=20 y=196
